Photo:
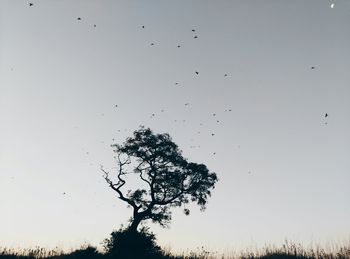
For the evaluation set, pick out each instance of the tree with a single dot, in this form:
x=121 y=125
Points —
x=169 y=179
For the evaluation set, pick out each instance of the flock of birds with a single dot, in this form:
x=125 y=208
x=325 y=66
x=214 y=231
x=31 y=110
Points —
x=332 y=5
x=196 y=73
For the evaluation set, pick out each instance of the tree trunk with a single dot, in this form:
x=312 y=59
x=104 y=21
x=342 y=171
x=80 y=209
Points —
x=135 y=223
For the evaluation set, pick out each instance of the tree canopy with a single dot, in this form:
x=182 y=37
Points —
x=171 y=180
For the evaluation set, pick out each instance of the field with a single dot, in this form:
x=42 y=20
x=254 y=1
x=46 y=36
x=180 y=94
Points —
x=287 y=251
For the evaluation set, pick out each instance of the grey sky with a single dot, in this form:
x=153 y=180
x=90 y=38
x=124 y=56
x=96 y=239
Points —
x=60 y=79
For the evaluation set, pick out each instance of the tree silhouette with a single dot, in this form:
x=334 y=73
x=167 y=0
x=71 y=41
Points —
x=169 y=180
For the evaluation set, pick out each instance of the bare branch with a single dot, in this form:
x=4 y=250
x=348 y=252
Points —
x=116 y=186
x=140 y=171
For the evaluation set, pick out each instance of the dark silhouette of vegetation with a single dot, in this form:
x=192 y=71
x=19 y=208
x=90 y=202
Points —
x=88 y=252
x=130 y=244
x=169 y=180
x=113 y=246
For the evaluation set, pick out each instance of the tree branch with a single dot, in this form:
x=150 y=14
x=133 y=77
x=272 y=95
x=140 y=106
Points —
x=116 y=186
x=140 y=170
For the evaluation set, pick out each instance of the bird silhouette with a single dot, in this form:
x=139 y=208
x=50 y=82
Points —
x=31 y=4
x=196 y=37
x=212 y=134
x=312 y=67
x=326 y=115
x=225 y=75
x=178 y=46
x=79 y=19
x=94 y=25
x=143 y=26
x=152 y=44
x=193 y=30
x=197 y=73
x=186 y=104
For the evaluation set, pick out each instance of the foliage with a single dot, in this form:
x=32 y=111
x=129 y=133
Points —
x=127 y=244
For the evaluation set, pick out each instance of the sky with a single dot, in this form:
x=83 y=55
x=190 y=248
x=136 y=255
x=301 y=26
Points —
x=268 y=73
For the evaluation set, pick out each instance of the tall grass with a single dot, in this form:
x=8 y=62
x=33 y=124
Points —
x=286 y=251
x=30 y=253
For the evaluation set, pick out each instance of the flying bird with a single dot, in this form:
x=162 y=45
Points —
x=95 y=25
x=197 y=72
x=225 y=75
x=143 y=26
x=186 y=104
x=212 y=134
x=195 y=37
x=31 y=4
x=178 y=46
x=79 y=19
x=326 y=115
x=193 y=30
x=312 y=68
x=152 y=44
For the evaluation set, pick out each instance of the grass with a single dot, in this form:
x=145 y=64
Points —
x=286 y=251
